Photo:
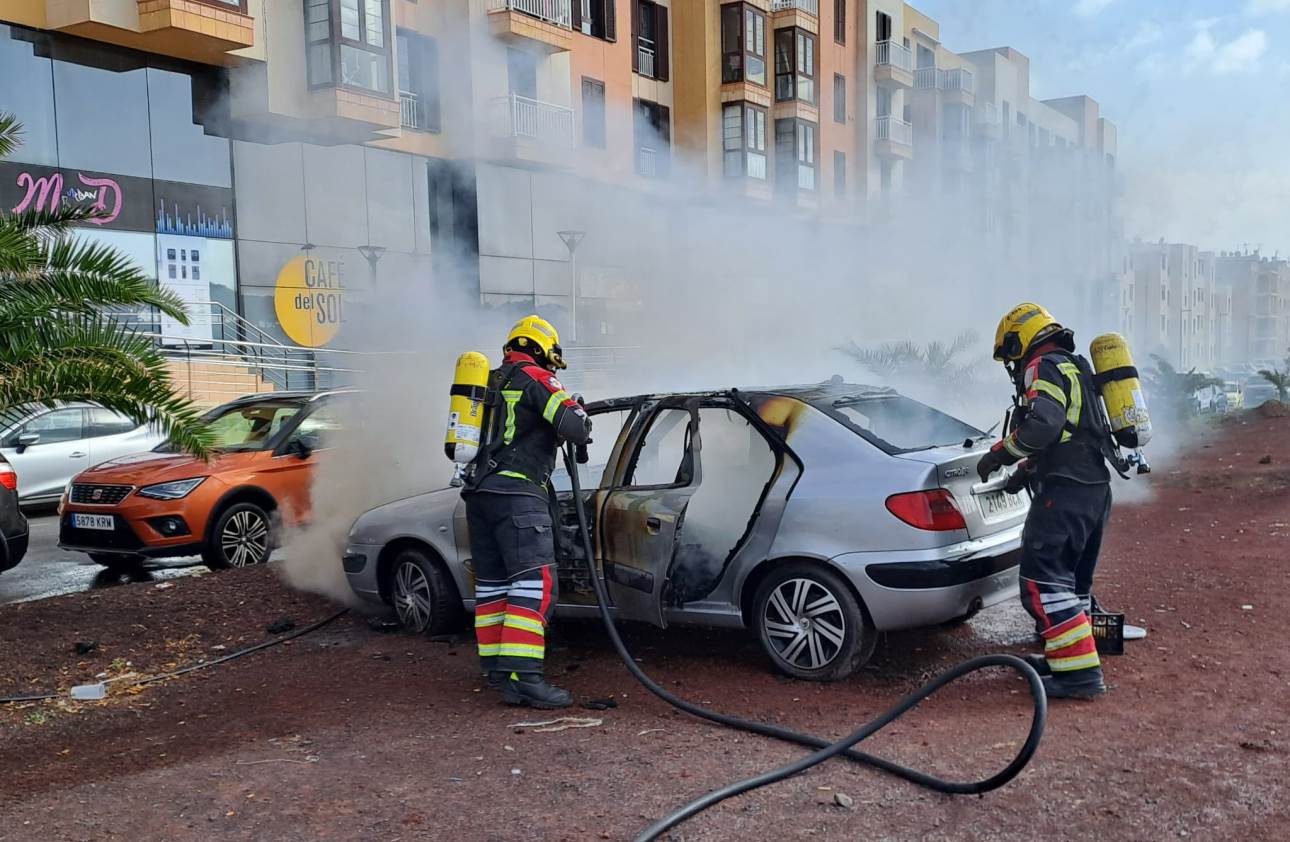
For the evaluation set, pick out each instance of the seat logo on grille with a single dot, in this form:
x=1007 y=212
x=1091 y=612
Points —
x=97 y=494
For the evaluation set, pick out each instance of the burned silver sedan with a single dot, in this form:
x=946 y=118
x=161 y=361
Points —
x=813 y=516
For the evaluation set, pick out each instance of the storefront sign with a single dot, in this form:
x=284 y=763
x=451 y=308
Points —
x=308 y=298
x=125 y=203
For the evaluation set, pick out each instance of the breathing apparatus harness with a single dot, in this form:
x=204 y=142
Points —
x=823 y=749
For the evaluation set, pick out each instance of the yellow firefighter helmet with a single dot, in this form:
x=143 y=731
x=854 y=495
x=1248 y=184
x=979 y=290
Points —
x=535 y=332
x=1022 y=328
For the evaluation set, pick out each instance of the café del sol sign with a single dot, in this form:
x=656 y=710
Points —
x=308 y=300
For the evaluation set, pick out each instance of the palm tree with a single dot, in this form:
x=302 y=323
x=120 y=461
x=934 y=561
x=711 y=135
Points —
x=1177 y=388
x=936 y=363
x=57 y=344
x=1280 y=378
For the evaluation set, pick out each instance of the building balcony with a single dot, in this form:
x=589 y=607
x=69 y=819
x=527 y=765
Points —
x=958 y=85
x=198 y=31
x=532 y=131
x=925 y=79
x=804 y=14
x=548 y=23
x=893 y=64
x=409 y=113
x=986 y=122
x=893 y=138
x=810 y=7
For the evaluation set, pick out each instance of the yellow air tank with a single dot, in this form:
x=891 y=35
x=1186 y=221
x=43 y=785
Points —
x=466 y=410
x=1117 y=380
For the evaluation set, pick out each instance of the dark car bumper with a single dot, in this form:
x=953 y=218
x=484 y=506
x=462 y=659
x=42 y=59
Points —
x=15 y=547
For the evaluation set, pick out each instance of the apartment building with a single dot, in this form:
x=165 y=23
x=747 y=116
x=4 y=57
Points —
x=1260 y=305
x=354 y=145
x=1182 y=309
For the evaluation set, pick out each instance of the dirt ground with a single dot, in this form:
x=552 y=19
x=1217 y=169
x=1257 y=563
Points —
x=350 y=733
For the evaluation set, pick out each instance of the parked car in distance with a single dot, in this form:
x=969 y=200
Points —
x=816 y=517
x=229 y=510
x=1258 y=391
x=13 y=525
x=1235 y=393
x=47 y=447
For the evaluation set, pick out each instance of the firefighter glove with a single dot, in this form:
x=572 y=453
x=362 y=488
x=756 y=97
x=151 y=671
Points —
x=1019 y=480
x=992 y=461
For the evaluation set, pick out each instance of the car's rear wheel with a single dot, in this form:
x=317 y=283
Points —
x=242 y=537
x=810 y=623
x=118 y=563
x=424 y=597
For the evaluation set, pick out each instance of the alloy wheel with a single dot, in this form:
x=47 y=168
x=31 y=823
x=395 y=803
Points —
x=805 y=623
x=245 y=539
x=412 y=598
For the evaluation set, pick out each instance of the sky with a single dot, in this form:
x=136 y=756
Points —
x=1199 y=90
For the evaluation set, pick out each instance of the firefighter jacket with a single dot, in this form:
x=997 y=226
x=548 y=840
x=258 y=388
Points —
x=1058 y=427
x=528 y=415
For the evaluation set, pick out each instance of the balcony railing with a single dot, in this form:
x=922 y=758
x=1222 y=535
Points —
x=409 y=114
x=895 y=130
x=957 y=79
x=805 y=177
x=811 y=7
x=647 y=162
x=988 y=114
x=757 y=165
x=645 y=57
x=558 y=12
x=925 y=78
x=895 y=54
x=540 y=121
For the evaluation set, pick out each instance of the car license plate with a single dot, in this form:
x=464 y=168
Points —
x=93 y=521
x=1000 y=504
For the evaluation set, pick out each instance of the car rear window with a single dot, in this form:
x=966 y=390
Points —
x=897 y=424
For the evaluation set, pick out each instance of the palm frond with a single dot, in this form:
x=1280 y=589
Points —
x=10 y=131
x=50 y=223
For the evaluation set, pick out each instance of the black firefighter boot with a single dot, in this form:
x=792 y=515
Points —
x=495 y=679
x=532 y=689
x=1076 y=684
x=1039 y=663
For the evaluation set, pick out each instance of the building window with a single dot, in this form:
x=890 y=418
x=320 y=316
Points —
x=839 y=174
x=794 y=155
x=743 y=44
x=839 y=98
x=840 y=21
x=653 y=130
x=882 y=27
x=794 y=65
x=593 y=112
x=418 y=81
x=347 y=41
x=649 y=31
x=596 y=18
x=743 y=130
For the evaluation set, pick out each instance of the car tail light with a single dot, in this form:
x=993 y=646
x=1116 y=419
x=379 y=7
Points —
x=8 y=476
x=932 y=510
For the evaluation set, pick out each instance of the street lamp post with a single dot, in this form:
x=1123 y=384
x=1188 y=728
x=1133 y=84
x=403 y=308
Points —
x=571 y=240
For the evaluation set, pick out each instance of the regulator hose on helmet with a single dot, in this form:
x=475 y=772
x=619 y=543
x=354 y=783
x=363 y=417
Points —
x=824 y=748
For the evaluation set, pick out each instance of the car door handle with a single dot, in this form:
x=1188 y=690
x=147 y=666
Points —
x=75 y=455
x=653 y=525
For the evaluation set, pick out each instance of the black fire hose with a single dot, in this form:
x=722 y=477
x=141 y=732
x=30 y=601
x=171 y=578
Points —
x=825 y=749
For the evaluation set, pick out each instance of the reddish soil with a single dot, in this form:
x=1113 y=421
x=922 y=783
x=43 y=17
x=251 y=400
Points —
x=352 y=734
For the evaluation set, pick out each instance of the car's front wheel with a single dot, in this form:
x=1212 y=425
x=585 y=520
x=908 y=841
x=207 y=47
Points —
x=242 y=536
x=810 y=623
x=424 y=597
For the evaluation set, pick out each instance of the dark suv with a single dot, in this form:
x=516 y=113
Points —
x=13 y=526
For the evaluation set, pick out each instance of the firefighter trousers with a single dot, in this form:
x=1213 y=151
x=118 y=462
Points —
x=1060 y=546
x=513 y=550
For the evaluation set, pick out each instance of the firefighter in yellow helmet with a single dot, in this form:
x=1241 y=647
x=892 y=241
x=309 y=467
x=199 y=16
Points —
x=1059 y=437
x=528 y=413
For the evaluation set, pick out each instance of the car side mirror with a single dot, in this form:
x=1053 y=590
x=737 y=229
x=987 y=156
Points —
x=26 y=440
x=304 y=445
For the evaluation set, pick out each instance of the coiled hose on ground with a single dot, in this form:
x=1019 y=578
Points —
x=824 y=748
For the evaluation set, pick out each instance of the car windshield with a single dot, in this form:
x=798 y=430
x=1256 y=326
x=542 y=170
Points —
x=245 y=427
x=897 y=424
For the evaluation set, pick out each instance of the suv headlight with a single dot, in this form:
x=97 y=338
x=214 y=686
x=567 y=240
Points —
x=170 y=490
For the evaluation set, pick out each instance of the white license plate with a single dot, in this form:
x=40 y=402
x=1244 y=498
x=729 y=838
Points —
x=93 y=521
x=1001 y=504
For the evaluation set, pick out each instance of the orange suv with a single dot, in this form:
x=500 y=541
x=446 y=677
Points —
x=163 y=504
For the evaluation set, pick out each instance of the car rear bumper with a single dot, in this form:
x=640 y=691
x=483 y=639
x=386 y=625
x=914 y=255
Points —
x=15 y=547
x=905 y=590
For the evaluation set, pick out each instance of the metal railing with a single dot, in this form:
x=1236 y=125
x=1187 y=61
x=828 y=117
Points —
x=805 y=177
x=537 y=120
x=957 y=79
x=558 y=12
x=409 y=113
x=894 y=54
x=811 y=7
x=894 y=129
x=645 y=57
x=925 y=78
x=757 y=165
x=647 y=161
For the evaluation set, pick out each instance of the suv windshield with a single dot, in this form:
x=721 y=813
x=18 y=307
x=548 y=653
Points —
x=897 y=424
x=247 y=427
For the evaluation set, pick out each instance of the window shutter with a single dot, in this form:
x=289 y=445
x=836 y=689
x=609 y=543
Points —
x=611 y=19
x=661 y=71
x=636 y=47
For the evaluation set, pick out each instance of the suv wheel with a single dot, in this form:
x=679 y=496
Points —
x=242 y=536
x=810 y=623
x=424 y=598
